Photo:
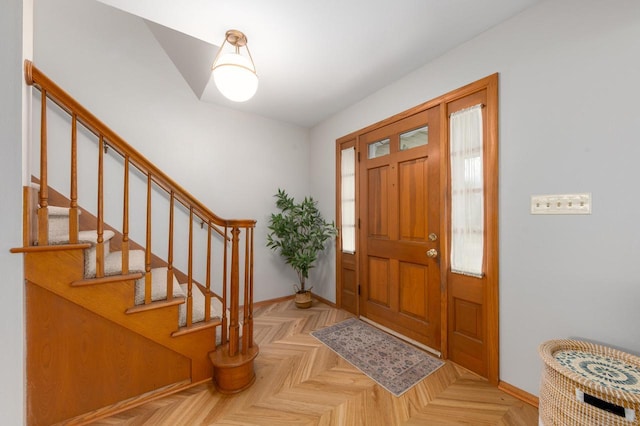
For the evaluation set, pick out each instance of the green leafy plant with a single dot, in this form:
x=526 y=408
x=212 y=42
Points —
x=299 y=234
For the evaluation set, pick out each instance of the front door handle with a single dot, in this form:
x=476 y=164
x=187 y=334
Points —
x=432 y=253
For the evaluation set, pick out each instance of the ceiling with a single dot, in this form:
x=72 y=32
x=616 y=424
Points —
x=315 y=58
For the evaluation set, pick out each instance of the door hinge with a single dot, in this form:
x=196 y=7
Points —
x=358 y=156
x=358 y=223
x=358 y=289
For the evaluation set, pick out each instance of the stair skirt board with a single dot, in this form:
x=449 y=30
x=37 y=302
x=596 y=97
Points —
x=78 y=361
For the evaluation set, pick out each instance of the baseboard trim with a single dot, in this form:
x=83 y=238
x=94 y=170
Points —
x=119 y=407
x=323 y=300
x=518 y=393
x=270 y=301
x=283 y=298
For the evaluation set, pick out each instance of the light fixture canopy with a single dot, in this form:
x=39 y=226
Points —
x=235 y=75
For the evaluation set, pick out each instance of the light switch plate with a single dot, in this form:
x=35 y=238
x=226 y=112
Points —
x=561 y=204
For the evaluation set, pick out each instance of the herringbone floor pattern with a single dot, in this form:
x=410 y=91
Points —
x=302 y=382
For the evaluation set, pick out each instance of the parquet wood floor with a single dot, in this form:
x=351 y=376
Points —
x=302 y=382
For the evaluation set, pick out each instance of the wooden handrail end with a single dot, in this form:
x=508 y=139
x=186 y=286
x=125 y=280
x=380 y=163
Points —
x=28 y=72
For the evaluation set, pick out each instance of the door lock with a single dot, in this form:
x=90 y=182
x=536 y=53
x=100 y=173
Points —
x=432 y=253
x=433 y=236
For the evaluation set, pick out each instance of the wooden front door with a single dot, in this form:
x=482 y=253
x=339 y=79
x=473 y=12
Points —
x=400 y=226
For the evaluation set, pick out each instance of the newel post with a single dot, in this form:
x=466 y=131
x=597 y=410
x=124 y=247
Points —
x=233 y=369
x=234 y=296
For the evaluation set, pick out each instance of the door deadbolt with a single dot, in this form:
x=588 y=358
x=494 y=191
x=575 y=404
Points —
x=433 y=237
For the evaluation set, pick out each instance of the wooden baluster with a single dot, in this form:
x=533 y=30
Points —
x=125 y=218
x=73 y=210
x=100 y=218
x=207 y=299
x=43 y=199
x=225 y=301
x=170 y=250
x=234 y=296
x=147 y=252
x=190 y=270
x=247 y=294
x=250 y=305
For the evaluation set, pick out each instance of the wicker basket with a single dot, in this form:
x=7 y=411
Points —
x=576 y=371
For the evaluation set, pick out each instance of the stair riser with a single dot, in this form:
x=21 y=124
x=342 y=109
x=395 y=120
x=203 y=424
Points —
x=65 y=265
x=58 y=228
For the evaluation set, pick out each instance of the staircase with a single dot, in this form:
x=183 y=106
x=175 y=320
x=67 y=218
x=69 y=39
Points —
x=110 y=323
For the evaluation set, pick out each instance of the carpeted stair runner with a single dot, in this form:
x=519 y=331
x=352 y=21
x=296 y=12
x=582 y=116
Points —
x=59 y=234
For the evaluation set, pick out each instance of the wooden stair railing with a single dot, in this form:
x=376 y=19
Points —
x=233 y=362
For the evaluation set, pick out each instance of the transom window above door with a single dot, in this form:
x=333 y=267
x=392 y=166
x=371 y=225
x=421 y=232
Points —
x=379 y=148
x=414 y=138
x=407 y=140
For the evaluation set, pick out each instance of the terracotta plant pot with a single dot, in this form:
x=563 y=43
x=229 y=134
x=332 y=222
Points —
x=303 y=300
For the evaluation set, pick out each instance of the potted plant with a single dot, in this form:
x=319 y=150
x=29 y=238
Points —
x=299 y=234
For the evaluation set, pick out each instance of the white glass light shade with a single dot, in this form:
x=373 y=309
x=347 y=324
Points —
x=234 y=77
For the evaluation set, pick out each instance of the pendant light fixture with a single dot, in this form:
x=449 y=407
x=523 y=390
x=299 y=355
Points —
x=235 y=75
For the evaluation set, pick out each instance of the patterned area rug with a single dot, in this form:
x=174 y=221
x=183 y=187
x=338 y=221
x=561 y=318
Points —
x=395 y=365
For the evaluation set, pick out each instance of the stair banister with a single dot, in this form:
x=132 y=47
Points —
x=100 y=237
x=190 y=270
x=125 y=218
x=147 y=251
x=73 y=207
x=43 y=200
x=225 y=272
x=207 y=295
x=170 y=251
x=35 y=77
x=228 y=229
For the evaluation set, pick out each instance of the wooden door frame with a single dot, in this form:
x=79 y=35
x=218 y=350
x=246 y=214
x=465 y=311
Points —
x=341 y=144
x=490 y=84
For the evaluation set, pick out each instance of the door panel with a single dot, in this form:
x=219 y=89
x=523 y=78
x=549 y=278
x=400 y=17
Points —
x=378 y=205
x=380 y=284
x=349 y=282
x=399 y=208
x=412 y=190
x=414 y=299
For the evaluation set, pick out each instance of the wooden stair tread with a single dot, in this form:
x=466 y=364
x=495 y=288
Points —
x=107 y=279
x=155 y=305
x=213 y=322
x=52 y=247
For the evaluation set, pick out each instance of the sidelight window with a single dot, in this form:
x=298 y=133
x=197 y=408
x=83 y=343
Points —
x=467 y=192
x=348 y=199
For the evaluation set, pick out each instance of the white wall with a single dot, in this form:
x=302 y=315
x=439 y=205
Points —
x=12 y=300
x=569 y=95
x=233 y=162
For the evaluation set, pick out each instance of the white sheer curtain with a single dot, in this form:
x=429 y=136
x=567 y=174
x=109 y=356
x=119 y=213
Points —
x=467 y=192
x=348 y=199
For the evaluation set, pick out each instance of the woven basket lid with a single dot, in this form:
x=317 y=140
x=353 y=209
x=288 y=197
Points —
x=603 y=369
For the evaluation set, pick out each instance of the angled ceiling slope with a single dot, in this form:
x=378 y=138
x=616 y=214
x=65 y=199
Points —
x=191 y=56
x=315 y=58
